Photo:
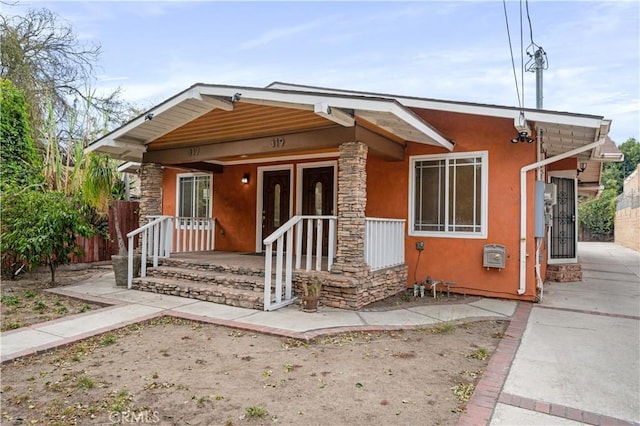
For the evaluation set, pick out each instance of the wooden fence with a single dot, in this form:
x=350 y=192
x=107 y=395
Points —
x=98 y=248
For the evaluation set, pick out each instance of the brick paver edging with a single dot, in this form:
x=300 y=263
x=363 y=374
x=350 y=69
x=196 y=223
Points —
x=485 y=397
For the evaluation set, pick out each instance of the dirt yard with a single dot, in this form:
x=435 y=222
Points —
x=176 y=372
x=24 y=301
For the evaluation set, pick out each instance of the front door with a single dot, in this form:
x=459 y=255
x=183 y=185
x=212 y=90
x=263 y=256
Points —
x=317 y=197
x=563 y=226
x=275 y=200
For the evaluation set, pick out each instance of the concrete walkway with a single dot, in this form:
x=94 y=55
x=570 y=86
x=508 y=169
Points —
x=131 y=306
x=572 y=359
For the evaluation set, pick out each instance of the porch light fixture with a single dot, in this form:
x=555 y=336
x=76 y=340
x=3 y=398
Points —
x=245 y=178
x=582 y=168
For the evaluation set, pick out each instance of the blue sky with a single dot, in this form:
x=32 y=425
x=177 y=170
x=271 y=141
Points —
x=443 y=50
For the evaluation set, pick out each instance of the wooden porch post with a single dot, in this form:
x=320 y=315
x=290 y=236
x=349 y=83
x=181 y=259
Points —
x=352 y=201
x=150 y=191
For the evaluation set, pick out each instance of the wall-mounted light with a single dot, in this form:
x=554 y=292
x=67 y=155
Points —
x=582 y=168
x=245 y=178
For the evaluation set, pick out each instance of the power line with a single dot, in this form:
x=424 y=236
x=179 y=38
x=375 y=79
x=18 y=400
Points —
x=521 y=54
x=513 y=64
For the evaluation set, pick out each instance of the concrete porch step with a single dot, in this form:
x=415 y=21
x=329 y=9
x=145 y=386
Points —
x=205 y=265
x=211 y=292
x=209 y=277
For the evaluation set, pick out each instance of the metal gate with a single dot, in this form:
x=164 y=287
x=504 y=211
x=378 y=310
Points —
x=563 y=228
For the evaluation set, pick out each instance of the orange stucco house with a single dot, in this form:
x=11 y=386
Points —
x=370 y=192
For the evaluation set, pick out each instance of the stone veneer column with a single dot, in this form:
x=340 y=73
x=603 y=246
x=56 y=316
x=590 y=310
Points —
x=352 y=201
x=150 y=191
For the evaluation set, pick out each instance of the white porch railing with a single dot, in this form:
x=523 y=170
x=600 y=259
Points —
x=316 y=228
x=164 y=235
x=383 y=242
x=194 y=234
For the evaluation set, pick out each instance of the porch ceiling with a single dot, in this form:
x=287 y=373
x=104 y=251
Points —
x=209 y=115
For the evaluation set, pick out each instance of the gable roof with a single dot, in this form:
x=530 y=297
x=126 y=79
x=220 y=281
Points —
x=290 y=106
x=559 y=131
x=129 y=141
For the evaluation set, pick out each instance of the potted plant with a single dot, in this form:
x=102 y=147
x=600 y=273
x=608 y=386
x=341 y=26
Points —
x=311 y=294
x=98 y=192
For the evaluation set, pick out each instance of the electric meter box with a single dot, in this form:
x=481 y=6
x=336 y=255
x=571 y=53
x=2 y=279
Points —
x=494 y=256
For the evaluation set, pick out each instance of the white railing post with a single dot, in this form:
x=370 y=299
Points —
x=332 y=243
x=288 y=269
x=289 y=240
x=267 y=277
x=130 y=263
x=143 y=262
x=319 y=245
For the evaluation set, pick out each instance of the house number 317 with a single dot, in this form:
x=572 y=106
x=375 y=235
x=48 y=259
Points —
x=277 y=142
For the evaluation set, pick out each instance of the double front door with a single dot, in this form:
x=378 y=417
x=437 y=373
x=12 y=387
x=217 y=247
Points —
x=316 y=192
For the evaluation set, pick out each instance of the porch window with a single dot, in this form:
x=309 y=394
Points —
x=448 y=195
x=194 y=195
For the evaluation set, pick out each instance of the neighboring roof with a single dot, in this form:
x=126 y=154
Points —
x=287 y=106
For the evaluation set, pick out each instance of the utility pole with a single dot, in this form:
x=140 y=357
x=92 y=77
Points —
x=538 y=63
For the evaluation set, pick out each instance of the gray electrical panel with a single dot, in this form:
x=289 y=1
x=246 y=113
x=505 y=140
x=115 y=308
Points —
x=539 y=209
x=494 y=256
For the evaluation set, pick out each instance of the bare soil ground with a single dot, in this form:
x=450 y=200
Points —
x=24 y=301
x=176 y=372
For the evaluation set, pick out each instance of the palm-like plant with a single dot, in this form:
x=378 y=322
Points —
x=97 y=188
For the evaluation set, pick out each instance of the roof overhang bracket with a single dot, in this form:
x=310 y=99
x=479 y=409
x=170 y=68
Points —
x=334 y=114
x=214 y=101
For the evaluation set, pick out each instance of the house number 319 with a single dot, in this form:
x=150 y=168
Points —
x=277 y=142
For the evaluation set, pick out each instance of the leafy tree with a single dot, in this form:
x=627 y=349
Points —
x=20 y=161
x=598 y=214
x=40 y=227
x=98 y=191
x=42 y=56
x=614 y=174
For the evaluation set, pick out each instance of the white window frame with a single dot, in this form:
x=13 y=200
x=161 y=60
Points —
x=484 y=194
x=178 y=191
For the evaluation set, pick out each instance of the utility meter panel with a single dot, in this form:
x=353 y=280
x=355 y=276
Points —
x=494 y=256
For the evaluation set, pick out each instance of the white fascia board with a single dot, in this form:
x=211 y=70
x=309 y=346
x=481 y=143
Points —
x=581 y=120
x=334 y=101
x=120 y=145
x=569 y=119
x=193 y=92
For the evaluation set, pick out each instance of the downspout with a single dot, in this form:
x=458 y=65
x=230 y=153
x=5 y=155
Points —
x=523 y=202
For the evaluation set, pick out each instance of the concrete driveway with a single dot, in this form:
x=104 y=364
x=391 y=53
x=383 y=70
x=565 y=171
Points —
x=579 y=356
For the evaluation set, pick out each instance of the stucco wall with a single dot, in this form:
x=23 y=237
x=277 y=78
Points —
x=460 y=259
x=452 y=259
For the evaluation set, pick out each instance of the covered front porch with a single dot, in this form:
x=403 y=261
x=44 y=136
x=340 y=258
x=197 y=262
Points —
x=184 y=263
x=282 y=172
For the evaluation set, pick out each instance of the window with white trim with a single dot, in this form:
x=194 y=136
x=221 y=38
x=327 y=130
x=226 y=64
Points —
x=194 y=195
x=448 y=195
